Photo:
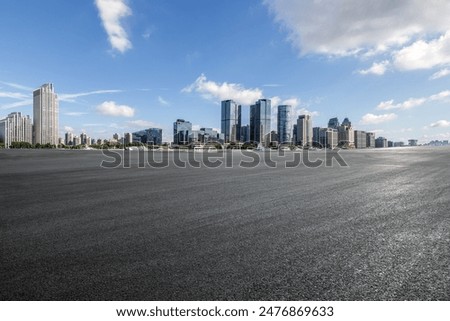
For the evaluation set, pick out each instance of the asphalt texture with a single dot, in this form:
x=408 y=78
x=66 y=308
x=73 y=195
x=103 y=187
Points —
x=377 y=229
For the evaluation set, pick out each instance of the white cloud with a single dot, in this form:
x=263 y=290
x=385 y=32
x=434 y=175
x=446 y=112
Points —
x=376 y=69
x=75 y=113
x=17 y=86
x=7 y=94
x=110 y=108
x=424 y=55
x=413 y=102
x=407 y=104
x=440 y=96
x=162 y=101
x=72 y=97
x=17 y=104
x=347 y=27
x=111 y=12
x=441 y=123
x=223 y=91
x=142 y=124
x=371 y=119
x=440 y=74
x=68 y=129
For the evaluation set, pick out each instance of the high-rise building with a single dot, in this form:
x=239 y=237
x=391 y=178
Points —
x=46 y=115
x=16 y=128
x=127 y=138
x=304 y=130
x=370 y=140
x=245 y=133
x=84 y=139
x=381 y=142
x=360 y=139
x=260 y=114
x=412 y=142
x=346 y=134
x=151 y=136
x=68 y=139
x=231 y=121
x=284 y=124
x=325 y=137
x=333 y=123
x=294 y=133
x=181 y=131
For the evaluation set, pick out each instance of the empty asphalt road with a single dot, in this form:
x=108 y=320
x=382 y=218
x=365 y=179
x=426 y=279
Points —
x=378 y=229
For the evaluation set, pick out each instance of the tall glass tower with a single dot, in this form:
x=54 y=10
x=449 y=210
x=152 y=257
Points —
x=46 y=115
x=231 y=121
x=181 y=131
x=260 y=121
x=284 y=124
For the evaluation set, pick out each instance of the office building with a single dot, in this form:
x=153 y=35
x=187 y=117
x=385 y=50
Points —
x=304 y=130
x=46 y=115
x=284 y=124
x=260 y=114
x=152 y=136
x=294 y=132
x=370 y=140
x=328 y=138
x=127 y=138
x=16 y=128
x=333 y=123
x=412 y=142
x=346 y=134
x=360 y=139
x=181 y=132
x=245 y=134
x=68 y=139
x=381 y=142
x=84 y=139
x=231 y=121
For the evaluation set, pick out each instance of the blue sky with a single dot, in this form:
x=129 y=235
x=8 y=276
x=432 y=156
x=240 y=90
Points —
x=121 y=66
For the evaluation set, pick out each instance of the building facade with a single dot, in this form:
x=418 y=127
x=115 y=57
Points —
x=231 y=121
x=181 y=132
x=360 y=139
x=304 y=130
x=46 y=115
x=260 y=114
x=333 y=123
x=16 y=128
x=381 y=142
x=370 y=140
x=284 y=124
x=151 y=136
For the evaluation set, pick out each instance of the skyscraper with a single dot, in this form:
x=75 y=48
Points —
x=333 y=123
x=304 y=130
x=46 y=115
x=15 y=128
x=284 y=124
x=260 y=122
x=231 y=121
x=181 y=131
x=346 y=134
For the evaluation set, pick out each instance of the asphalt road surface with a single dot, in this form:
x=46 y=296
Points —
x=377 y=229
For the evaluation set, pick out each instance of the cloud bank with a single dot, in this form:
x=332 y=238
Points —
x=414 y=34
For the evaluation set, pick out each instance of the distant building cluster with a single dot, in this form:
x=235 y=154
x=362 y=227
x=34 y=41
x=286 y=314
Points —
x=44 y=128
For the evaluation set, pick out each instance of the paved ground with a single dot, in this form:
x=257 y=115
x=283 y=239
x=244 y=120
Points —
x=378 y=229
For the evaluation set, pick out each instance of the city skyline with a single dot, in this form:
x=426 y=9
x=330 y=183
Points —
x=137 y=67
